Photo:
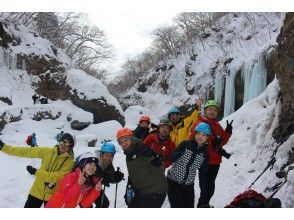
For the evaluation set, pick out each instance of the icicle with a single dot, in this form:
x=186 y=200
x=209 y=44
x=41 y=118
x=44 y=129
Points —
x=246 y=74
x=2 y=57
x=7 y=56
x=23 y=65
x=255 y=79
x=229 y=105
x=219 y=85
x=13 y=62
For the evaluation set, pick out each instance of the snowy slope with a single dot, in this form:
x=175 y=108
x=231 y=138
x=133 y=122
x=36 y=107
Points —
x=242 y=37
x=251 y=145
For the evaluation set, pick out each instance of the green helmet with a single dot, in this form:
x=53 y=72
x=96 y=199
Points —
x=211 y=103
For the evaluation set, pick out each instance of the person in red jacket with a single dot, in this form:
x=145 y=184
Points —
x=79 y=187
x=161 y=141
x=216 y=141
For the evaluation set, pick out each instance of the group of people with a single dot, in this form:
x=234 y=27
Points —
x=162 y=162
x=181 y=145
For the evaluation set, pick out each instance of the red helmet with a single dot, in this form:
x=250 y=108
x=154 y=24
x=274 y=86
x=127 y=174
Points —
x=144 y=118
x=123 y=132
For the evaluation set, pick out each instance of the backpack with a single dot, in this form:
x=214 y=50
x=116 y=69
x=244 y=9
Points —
x=253 y=199
x=29 y=140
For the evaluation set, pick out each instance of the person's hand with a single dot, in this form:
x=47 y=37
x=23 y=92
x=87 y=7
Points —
x=98 y=186
x=118 y=176
x=81 y=179
x=217 y=141
x=229 y=127
x=1 y=144
x=156 y=161
x=105 y=182
x=199 y=102
x=31 y=170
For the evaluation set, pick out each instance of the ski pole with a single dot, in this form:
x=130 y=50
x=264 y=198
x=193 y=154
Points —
x=270 y=163
x=117 y=169
x=102 y=196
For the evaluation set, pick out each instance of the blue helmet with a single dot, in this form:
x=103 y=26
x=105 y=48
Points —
x=107 y=147
x=174 y=110
x=203 y=128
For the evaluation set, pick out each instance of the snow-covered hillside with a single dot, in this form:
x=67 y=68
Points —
x=236 y=47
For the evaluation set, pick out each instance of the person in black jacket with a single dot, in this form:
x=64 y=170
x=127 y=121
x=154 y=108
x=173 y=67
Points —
x=142 y=130
x=145 y=171
x=186 y=159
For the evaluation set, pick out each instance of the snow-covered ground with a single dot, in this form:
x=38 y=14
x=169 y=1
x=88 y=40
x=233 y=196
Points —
x=251 y=145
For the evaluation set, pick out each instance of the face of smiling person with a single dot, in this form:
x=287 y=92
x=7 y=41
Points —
x=164 y=131
x=175 y=117
x=201 y=137
x=125 y=142
x=144 y=124
x=64 y=146
x=211 y=112
x=90 y=169
x=107 y=158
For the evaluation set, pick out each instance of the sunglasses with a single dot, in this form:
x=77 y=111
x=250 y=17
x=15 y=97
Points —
x=65 y=143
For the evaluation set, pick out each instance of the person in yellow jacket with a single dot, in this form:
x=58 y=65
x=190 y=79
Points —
x=56 y=163
x=182 y=126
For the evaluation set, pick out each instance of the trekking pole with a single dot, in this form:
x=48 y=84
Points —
x=270 y=163
x=117 y=169
x=286 y=178
x=102 y=196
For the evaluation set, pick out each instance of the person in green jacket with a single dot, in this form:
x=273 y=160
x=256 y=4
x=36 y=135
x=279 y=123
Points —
x=56 y=163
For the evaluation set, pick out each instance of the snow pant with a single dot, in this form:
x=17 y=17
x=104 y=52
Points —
x=207 y=177
x=180 y=196
x=105 y=202
x=33 y=202
x=147 y=200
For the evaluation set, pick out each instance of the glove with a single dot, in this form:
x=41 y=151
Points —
x=31 y=170
x=223 y=152
x=1 y=144
x=229 y=127
x=217 y=141
x=156 y=161
x=118 y=176
x=105 y=182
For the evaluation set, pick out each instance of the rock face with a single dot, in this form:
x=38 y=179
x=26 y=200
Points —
x=51 y=70
x=283 y=65
x=54 y=86
x=76 y=125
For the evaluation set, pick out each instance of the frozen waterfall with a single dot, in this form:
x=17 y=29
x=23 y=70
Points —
x=254 y=77
x=229 y=106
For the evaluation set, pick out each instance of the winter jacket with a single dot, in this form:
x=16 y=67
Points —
x=214 y=157
x=187 y=158
x=161 y=147
x=141 y=132
x=145 y=173
x=52 y=170
x=70 y=193
x=181 y=130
